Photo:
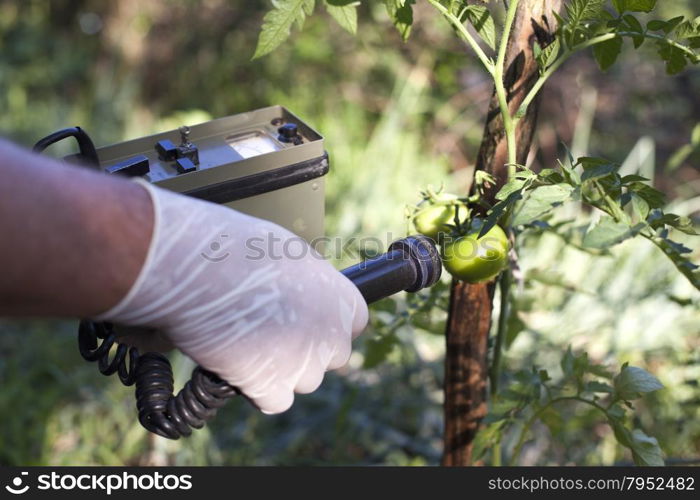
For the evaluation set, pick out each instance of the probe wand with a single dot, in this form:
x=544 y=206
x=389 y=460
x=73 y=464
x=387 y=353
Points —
x=410 y=264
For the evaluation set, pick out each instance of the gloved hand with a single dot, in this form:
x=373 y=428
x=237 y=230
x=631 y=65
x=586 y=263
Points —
x=244 y=298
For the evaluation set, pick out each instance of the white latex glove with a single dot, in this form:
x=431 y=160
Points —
x=218 y=284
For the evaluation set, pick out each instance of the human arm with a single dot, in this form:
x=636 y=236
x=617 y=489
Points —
x=72 y=242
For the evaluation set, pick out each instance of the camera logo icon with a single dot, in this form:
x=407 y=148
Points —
x=16 y=487
x=216 y=247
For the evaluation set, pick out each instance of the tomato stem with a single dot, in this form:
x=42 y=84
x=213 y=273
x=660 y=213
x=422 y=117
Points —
x=498 y=74
x=465 y=35
x=509 y=124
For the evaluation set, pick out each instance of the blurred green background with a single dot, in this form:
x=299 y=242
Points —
x=396 y=117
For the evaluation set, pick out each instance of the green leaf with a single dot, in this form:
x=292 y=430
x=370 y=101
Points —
x=546 y=56
x=641 y=5
x=595 y=386
x=674 y=57
x=656 y=25
x=616 y=412
x=345 y=13
x=567 y=362
x=576 y=366
x=277 y=24
x=634 y=5
x=654 y=197
x=640 y=206
x=578 y=12
x=633 y=381
x=513 y=185
x=540 y=201
x=678 y=247
x=686 y=29
x=567 y=169
x=635 y=27
x=480 y=17
x=401 y=13
x=657 y=219
x=582 y=10
x=633 y=178
x=622 y=433
x=645 y=449
x=674 y=251
x=487 y=438
x=581 y=366
x=379 y=348
x=551 y=176
x=606 y=52
x=527 y=384
x=497 y=211
x=672 y=24
x=682 y=223
x=504 y=404
x=595 y=168
x=608 y=232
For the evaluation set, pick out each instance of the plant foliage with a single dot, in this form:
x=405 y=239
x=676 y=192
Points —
x=624 y=206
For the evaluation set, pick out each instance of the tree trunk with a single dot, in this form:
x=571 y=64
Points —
x=469 y=318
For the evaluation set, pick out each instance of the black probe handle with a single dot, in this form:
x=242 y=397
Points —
x=410 y=264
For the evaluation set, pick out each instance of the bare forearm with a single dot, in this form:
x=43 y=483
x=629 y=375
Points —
x=72 y=241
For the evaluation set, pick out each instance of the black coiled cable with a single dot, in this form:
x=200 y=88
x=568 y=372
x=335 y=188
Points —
x=89 y=333
x=160 y=411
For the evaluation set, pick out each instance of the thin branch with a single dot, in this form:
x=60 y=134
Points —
x=508 y=123
x=465 y=35
x=509 y=128
x=589 y=43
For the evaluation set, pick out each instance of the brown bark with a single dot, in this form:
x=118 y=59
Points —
x=469 y=319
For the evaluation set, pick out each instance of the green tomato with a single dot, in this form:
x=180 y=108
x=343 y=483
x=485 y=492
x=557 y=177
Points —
x=472 y=259
x=435 y=219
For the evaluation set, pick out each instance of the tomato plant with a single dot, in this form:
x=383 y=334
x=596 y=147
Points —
x=626 y=205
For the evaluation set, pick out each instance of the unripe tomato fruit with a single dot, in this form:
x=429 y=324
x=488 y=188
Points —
x=434 y=219
x=472 y=259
